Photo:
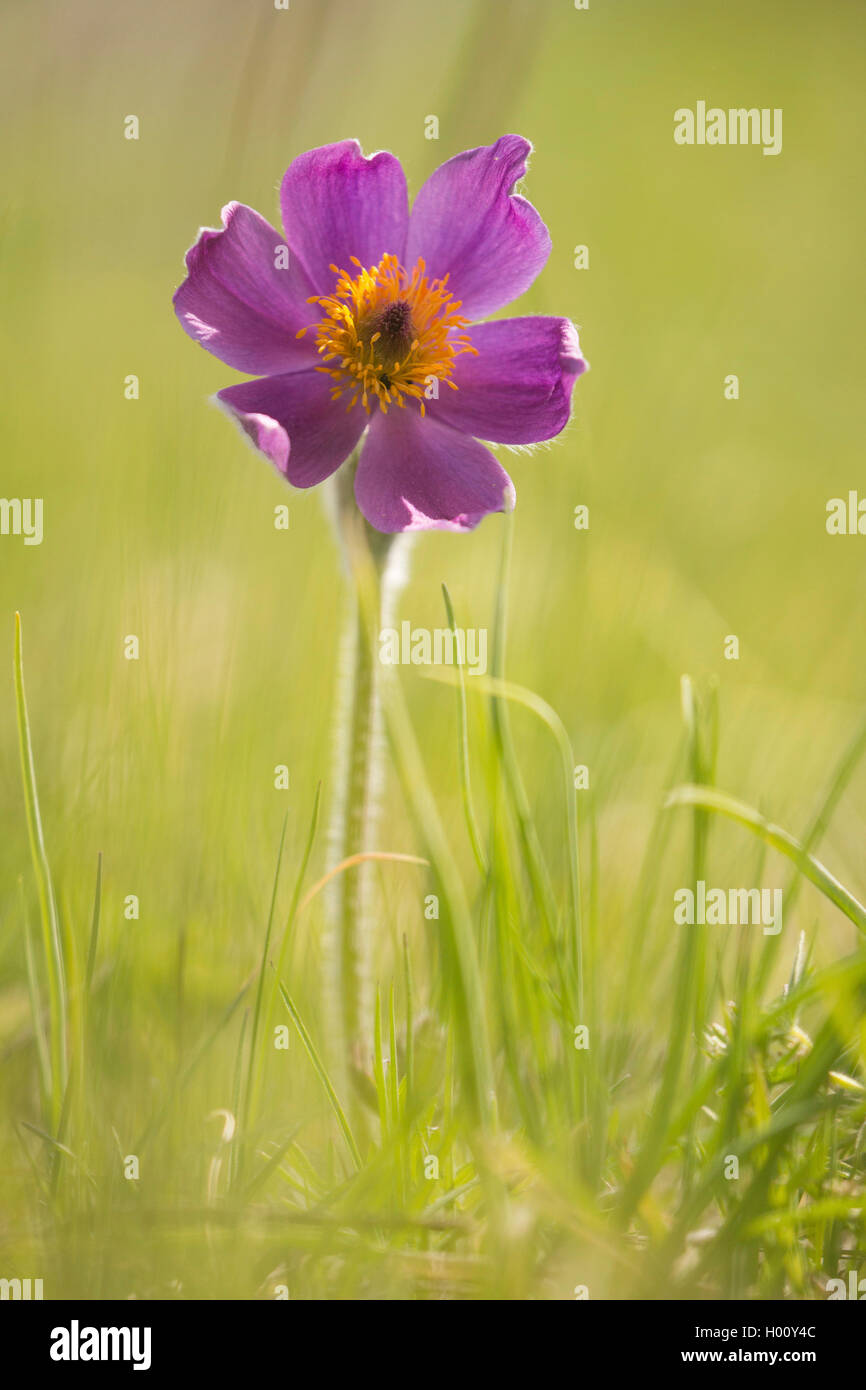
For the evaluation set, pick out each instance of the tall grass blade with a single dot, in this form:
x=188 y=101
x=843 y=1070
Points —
x=778 y=839
x=254 y=1066
x=53 y=947
x=463 y=760
x=324 y=1078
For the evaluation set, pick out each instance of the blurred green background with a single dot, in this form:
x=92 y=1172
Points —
x=706 y=515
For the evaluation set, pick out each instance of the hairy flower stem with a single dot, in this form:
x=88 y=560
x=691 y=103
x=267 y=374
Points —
x=358 y=823
x=371 y=560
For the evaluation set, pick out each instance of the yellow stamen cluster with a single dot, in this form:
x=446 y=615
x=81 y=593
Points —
x=388 y=333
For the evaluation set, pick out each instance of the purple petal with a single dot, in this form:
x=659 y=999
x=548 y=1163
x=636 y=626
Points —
x=467 y=223
x=518 y=389
x=292 y=420
x=238 y=304
x=337 y=204
x=416 y=474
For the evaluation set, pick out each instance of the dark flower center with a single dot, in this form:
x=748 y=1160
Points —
x=396 y=321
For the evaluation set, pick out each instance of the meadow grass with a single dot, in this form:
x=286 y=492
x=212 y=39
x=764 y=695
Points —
x=495 y=1155
x=558 y=1168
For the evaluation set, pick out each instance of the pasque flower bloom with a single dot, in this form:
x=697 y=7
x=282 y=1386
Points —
x=363 y=318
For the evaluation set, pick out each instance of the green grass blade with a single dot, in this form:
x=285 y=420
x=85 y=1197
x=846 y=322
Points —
x=270 y=1166
x=842 y=776
x=42 y=1053
x=777 y=838
x=532 y=852
x=382 y=1095
x=502 y=690
x=463 y=761
x=300 y=879
x=55 y=973
x=321 y=1072
x=186 y=1074
x=410 y=1023
x=254 y=1067
x=94 y=928
x=393 y=1070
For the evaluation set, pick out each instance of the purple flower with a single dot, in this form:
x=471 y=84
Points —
x=362 y=318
